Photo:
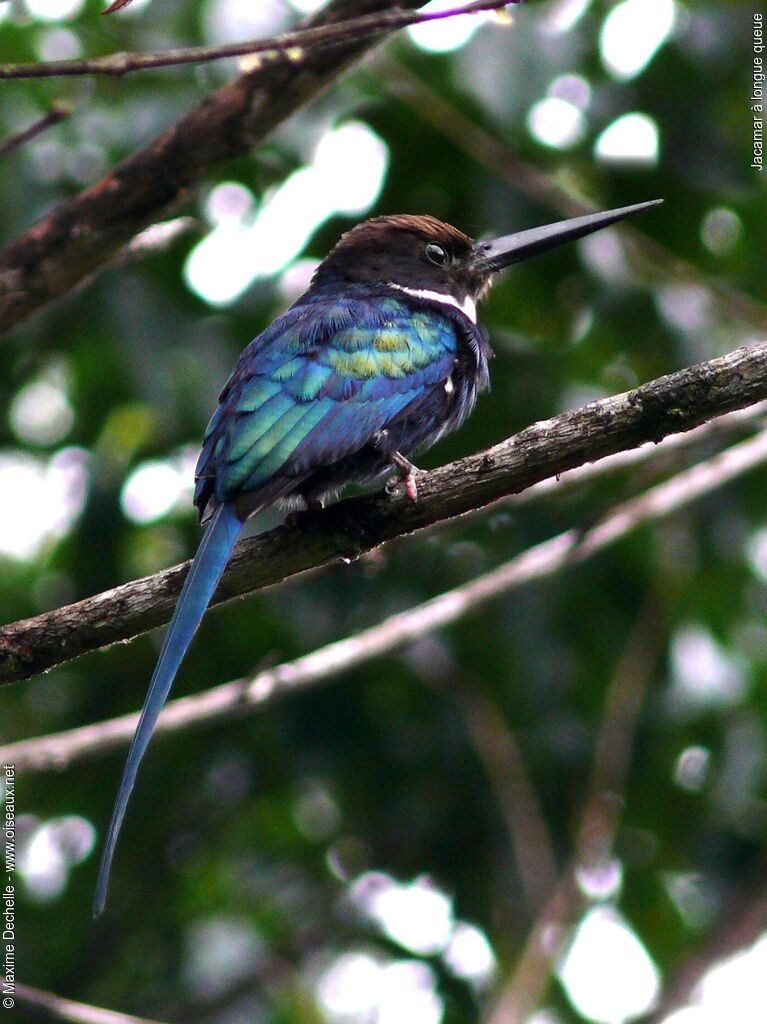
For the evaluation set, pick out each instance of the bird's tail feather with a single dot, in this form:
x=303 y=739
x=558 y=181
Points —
x=201 y=581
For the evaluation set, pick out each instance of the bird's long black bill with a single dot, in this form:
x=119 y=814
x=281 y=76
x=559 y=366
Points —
x=497 y=253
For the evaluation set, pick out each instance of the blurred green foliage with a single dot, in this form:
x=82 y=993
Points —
x=261 y=825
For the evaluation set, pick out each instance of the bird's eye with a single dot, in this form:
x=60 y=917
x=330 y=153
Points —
x=436 y=254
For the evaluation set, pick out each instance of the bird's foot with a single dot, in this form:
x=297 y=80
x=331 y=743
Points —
x=406 y=478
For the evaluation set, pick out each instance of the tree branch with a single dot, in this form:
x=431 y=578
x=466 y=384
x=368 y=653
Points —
x=299 y=43
x=58 y=112
x=116 y=5
x=668 y=405
x=573 y=547
x=49 y=1006
x=84 y=232
x=650 y=451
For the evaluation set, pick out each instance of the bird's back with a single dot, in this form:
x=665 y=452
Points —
x=311 y=393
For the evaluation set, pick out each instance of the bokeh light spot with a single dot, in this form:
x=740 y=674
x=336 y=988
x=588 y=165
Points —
x=721 y=230
x=157 y=486
x=41 y=413
x=632 y=33
x=704 y=673
x=469 y=955
x=345 y=177
x=418 y=916
x=448 y=34
x=600 y=880
x=315 y=811
x=756 y=553
x=360 y=989
x=691 y=768
x=220 y=951
x=607 y=972
x=350 y=987
x=630 y=139
x=684 y=305
x=58 y=44
x=41 y=499
x=408 y=995
x=49 y=852
x=54 y=10
x=694 y=898
x=556 y=123
x=229 y=201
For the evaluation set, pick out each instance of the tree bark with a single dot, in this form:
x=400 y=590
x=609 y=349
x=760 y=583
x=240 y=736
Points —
x=83 y=233
x=668 y=405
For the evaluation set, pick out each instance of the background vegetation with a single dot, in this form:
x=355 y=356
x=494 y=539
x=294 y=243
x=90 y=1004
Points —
x=385 y=848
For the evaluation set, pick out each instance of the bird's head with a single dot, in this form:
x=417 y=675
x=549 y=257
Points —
x=423 y=255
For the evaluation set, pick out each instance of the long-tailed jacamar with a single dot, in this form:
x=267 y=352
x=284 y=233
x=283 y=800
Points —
x=379 y=358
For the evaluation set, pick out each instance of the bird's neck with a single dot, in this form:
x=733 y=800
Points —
x=468 y=307
x=333 y=289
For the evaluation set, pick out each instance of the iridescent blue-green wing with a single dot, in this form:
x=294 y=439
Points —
x=316 y=387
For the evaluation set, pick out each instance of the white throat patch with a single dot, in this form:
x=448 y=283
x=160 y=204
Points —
x=467 y=307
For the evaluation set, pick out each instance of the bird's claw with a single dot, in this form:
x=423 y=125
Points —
x=405 y=479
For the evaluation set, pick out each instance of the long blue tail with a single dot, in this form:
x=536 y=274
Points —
x=202 y=579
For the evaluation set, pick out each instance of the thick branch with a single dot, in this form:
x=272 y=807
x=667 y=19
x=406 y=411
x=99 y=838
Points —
x=671 y=404
x=299 y=43
x=573 y=547
x=84 y=232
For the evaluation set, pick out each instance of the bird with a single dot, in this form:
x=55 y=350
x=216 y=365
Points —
x=380 y=358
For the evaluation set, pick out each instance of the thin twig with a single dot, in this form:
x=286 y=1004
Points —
x=58 y=112
x=668 y=405
x=53 y=1007
x=523 y=993
x=117 y=5
x=293 y=45
x=244 y=695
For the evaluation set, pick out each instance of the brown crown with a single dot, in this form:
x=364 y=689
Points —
x=421 y=225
